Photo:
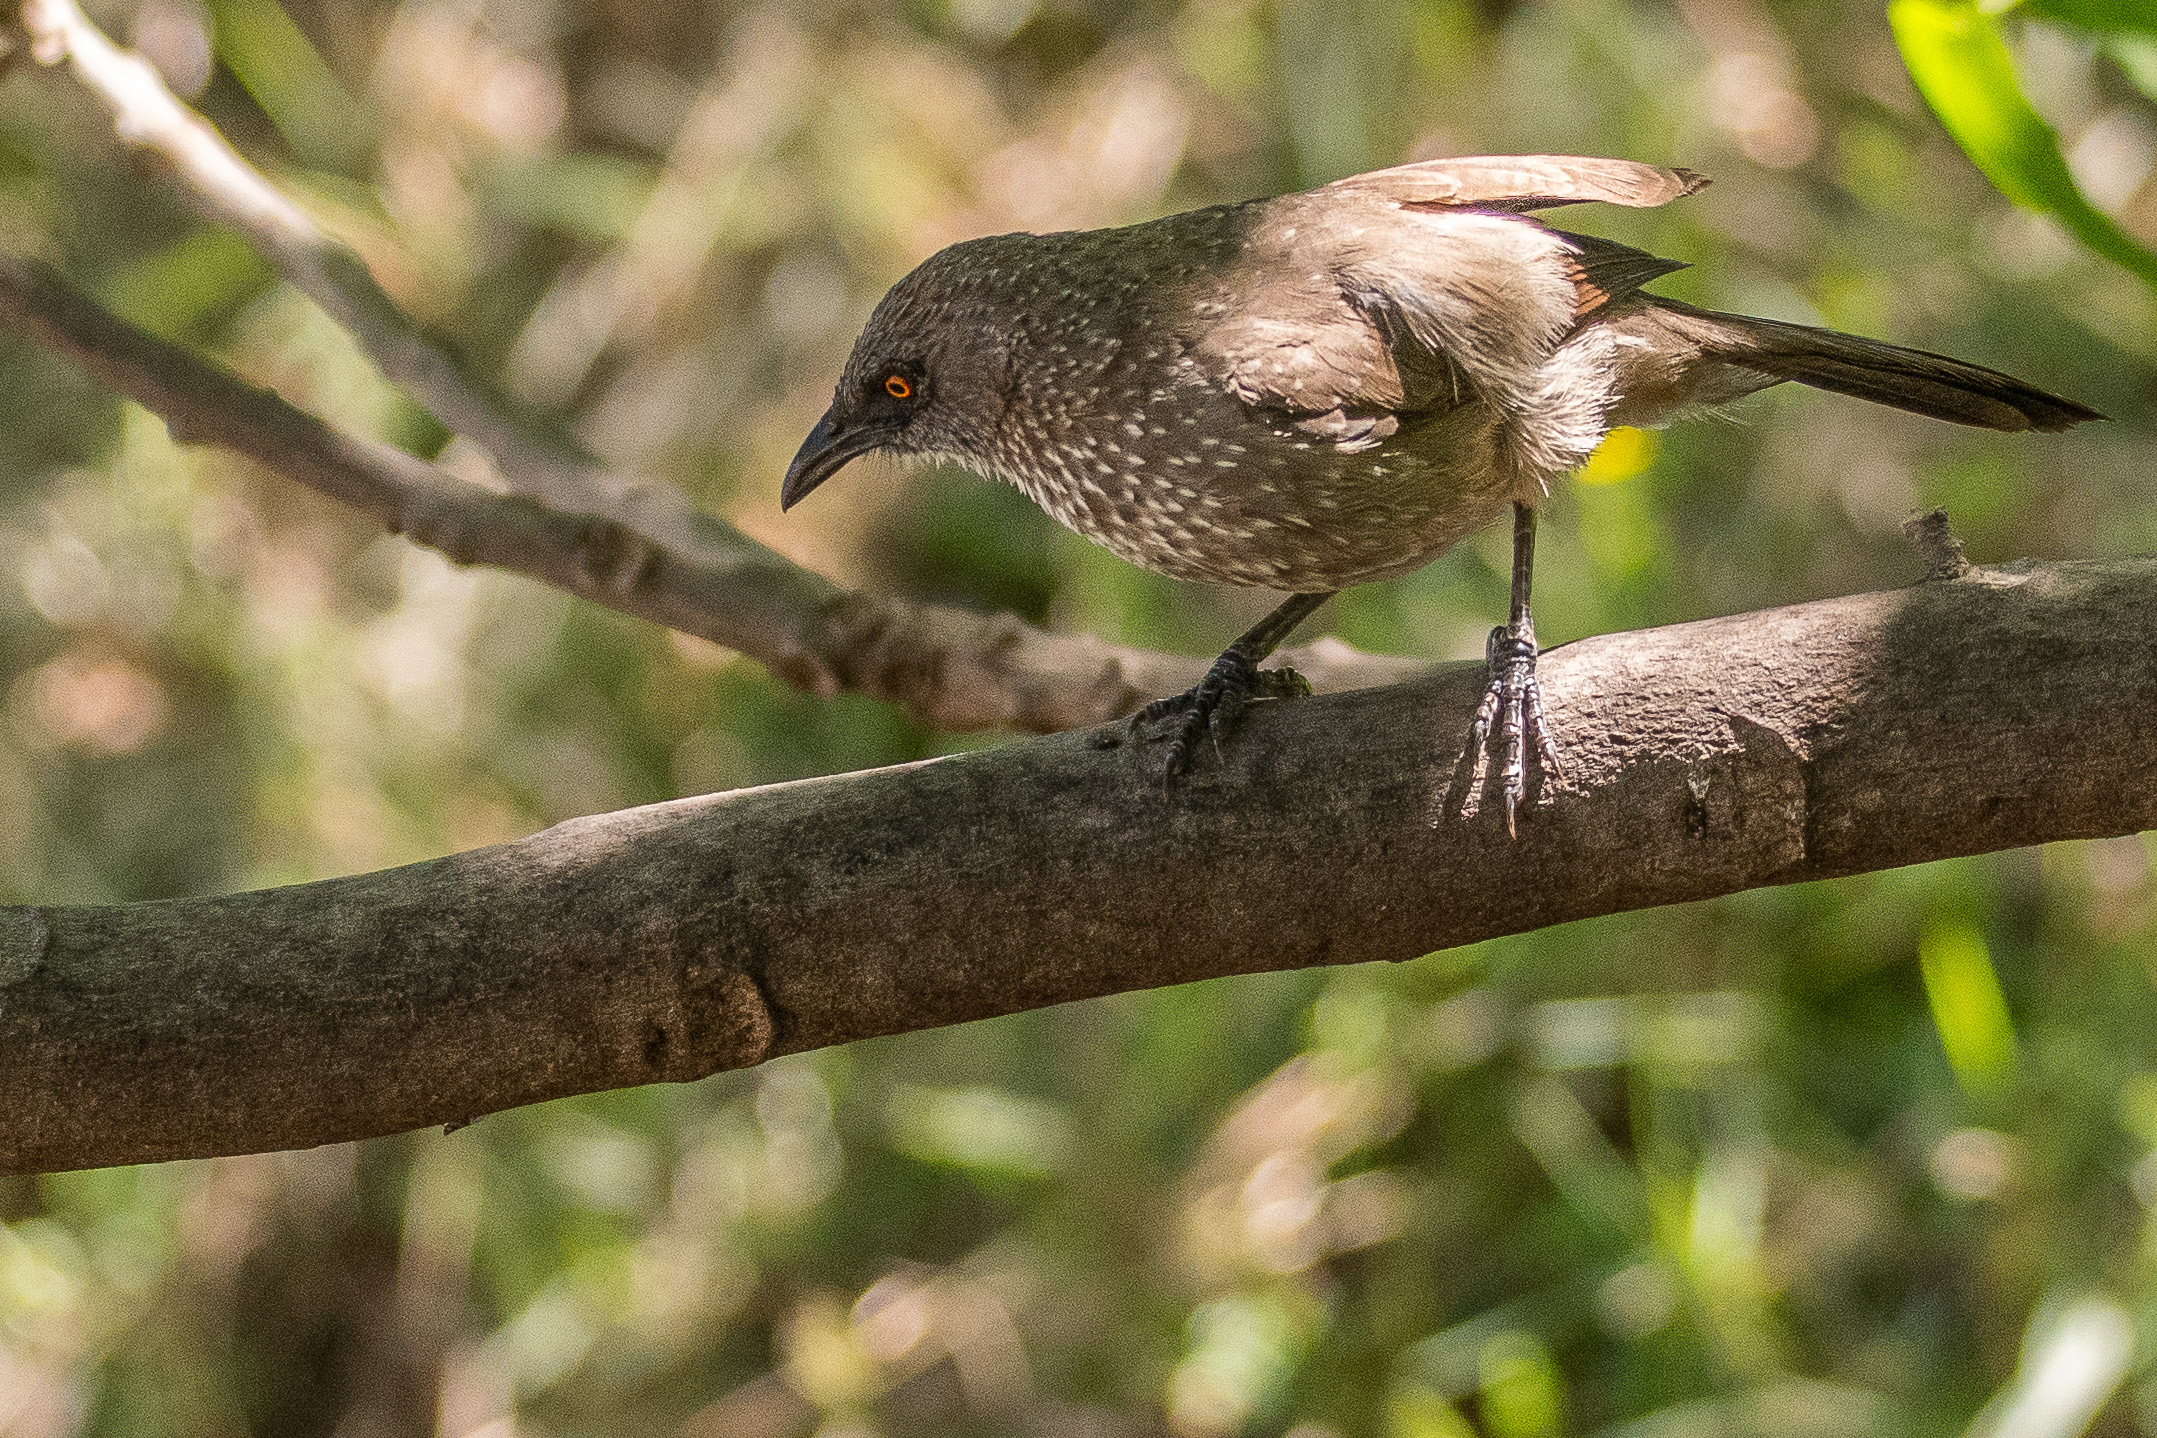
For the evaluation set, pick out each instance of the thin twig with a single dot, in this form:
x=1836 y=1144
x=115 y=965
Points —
x=229 y=191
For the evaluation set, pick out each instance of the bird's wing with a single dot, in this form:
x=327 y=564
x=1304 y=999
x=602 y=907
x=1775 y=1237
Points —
x=1518 y=183
x=1606 y=273
x=1491 y=294
x=1355 y=309
x=1307 y=355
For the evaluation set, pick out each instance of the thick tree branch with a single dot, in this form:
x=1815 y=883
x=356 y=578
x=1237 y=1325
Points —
x=2008 y=707
x=958 y=670
x=634 y=545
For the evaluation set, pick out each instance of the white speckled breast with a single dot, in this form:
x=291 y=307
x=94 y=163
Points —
x=1205 y=399
x=1113 y=426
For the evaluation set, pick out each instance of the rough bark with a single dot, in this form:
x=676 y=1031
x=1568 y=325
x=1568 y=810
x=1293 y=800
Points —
x=2006 y=707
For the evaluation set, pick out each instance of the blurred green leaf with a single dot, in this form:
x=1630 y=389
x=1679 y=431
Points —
x=1967 y=1005
x=1244 y=1349
x=592 y=197
x=188 y=284
x=289 y=79
x=2102 y=15
x=1521 y=1396
x=2136 y=55
x=980 y=1128
x=1417 y=1412
x=1963 y=69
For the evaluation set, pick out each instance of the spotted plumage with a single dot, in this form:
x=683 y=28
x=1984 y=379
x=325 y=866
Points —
x=1316 y=390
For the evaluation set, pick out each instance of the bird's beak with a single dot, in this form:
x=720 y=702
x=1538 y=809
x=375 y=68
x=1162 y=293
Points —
x=829 y=446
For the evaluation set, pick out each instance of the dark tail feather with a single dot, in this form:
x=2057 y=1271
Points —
x=1915 y=380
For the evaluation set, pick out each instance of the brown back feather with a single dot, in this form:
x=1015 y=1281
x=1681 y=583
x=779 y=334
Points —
x=1518 y=183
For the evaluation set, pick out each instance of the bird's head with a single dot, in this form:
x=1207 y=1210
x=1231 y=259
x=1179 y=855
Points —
x=927 y=376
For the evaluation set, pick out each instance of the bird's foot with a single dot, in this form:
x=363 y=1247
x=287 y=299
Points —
x=1515 y=702
x=1210 y=706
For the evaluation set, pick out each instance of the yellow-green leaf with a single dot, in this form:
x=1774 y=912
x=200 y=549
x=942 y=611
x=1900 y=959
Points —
x=1963 y=69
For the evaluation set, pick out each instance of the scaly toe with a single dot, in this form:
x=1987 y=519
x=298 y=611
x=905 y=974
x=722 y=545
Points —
x=1211 y=707
x=1510 y=720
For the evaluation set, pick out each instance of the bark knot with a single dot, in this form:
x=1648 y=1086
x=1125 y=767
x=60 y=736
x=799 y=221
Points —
x=1936 y=545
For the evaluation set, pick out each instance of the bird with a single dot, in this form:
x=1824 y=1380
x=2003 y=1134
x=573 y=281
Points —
x=1317 y=390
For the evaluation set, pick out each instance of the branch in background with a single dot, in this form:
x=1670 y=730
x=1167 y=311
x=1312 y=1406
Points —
x=637 y=546
x=2005 y=708
x=954 y=669
x=230 y=192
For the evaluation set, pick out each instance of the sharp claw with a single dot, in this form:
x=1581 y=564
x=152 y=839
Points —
x=1478 y=740
x=1546 y=747
x=1212 y=705
x=1513 y=701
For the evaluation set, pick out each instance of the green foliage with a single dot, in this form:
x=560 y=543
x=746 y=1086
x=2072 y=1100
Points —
x=1869 y=1157
x=2101 y=16
x=1956 y=55
x=288 y=78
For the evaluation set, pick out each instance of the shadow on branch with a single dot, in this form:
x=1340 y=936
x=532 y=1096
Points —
x=2007 y=707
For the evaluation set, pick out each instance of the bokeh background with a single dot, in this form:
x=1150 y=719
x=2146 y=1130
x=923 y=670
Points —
x=1870 y=1157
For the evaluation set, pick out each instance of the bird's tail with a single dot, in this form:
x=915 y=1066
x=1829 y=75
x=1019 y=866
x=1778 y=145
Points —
x=1702 y=356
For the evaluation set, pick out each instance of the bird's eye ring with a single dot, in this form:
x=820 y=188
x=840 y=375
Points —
x=898 y=387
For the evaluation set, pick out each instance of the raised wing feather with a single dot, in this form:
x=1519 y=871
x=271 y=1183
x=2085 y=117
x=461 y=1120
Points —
x=1518 y=183
x=1402 y=292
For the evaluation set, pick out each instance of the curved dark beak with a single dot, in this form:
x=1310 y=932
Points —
x=829 y=446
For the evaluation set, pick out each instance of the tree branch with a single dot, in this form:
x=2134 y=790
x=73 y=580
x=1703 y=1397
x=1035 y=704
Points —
x=634 y=545
x=229 y=191
x=2008 y=707
x=957 y=670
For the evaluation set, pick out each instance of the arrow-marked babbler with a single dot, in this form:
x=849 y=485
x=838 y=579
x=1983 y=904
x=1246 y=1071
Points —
x=1320 y=389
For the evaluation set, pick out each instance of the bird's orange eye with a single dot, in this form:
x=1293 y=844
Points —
x=897 y=387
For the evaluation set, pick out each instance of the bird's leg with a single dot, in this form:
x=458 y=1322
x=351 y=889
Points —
x=1234 y=681
x=1513 y=698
